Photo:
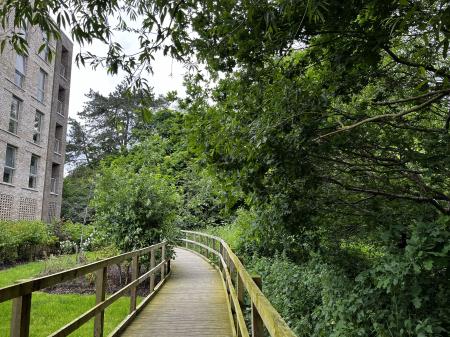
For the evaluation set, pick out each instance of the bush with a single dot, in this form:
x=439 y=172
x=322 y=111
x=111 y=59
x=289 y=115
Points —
x=294 y=290
x=24 y=240
x=237 y=233
x=399 y=292
x=134 y=208
x=70 y=234
x=404 y=294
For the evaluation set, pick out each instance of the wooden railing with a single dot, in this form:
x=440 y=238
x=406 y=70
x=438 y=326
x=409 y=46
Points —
x=238 y=283
x=21 y=293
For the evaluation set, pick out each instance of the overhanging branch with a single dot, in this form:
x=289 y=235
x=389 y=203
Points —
x=385 y=116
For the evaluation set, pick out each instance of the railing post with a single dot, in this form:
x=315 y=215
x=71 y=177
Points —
x=240 y=295
x=100 y=291
x=257 y=323
x=207 y=251
x=202 y=241
x=163 y=258
x=221 y=267
x=152 y=275
x=20 y=320
x=240 y=290
x=134 y=275
x=187 y=238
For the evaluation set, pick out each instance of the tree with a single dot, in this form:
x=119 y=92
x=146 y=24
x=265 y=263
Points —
x=135 y=204
x=78 y=191
x=109 y=124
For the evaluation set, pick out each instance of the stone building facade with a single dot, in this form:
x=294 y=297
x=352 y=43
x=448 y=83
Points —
x=34 y=98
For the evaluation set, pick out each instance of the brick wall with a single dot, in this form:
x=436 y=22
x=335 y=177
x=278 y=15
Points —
x=17 y=200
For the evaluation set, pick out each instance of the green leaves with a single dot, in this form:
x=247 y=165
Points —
x=134 y=202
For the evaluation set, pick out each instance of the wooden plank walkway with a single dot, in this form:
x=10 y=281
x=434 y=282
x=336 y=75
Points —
x=192 y=303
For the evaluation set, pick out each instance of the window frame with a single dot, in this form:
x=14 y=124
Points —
x=44 y=54
x=15 y=120
x=19 y=76
x=41 y=91
x=54 y=185
x=8 y=167
x=37 y=131
x=33 y=177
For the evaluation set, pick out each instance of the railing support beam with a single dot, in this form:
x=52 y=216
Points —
x=20 y=320
x=257 y=323
x=163 y=258
x=134 y=276
x=100 y=292
x=152 y=265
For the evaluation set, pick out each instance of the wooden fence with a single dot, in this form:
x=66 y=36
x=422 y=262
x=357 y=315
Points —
x=21 y=293
x=238 y=282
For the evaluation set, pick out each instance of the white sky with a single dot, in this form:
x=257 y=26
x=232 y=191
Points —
x=168 y=74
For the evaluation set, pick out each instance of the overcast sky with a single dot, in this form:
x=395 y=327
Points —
x=168 y=74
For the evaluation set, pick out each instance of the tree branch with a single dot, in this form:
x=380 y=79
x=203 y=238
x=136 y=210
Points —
x=447 y=90
x=414 y=64
x=415 y=198
x=380 y=117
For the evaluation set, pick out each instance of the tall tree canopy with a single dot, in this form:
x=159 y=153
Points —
x=110 y=124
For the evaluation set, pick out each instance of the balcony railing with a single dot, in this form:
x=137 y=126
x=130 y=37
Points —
x=54 y=185
x=60 y=108
x=57 y=146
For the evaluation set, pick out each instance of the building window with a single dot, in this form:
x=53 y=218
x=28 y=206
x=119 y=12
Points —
x=64 y=63
x=54 y=179
x=61 y=99
x=10 y=164
x=37 y=127
x=42 y=79
x=44 y=49
x=32 y=181
x=16 y=106
x=57 y=148
x=20 y=70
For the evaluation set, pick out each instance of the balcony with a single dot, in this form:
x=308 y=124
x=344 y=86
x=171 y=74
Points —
x=57 y=146
x=54 y=185
x=60 y=108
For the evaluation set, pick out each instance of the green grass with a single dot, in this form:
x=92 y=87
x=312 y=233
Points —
x=49 y=312
x=27 y=270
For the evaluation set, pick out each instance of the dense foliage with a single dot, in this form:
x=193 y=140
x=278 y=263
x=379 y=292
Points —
x=24 y=240
x=142 y=194
x=78 y=190
x=133 y=200
x=321 y=132
x=27 y=240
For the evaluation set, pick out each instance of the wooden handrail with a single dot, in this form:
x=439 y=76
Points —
x=21 y=292
x=263 y=313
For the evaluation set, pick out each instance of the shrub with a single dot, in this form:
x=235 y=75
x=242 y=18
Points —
x=404 y=294
x=294 y=290
x=134 y=208
x=24 y=240
x=391 y=292
x=237 y=233
x=70 y=234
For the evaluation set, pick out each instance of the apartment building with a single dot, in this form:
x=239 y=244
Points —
x=34 y=98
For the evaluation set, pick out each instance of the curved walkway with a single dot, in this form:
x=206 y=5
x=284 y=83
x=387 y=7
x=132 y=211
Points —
x=192 y=303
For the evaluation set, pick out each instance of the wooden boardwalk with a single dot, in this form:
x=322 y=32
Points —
x=192 y=303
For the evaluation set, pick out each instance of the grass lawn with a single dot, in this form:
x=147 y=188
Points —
x=49 y=312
